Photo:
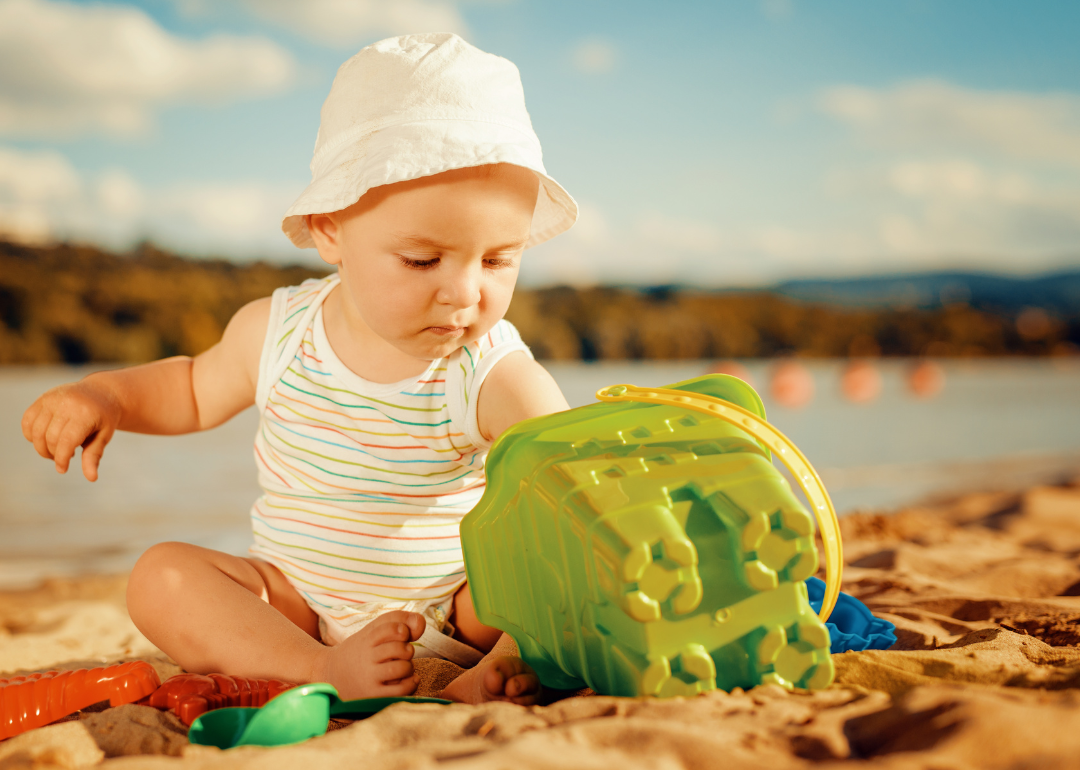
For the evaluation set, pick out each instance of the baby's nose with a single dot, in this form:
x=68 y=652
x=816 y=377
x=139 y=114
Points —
x=461 y=289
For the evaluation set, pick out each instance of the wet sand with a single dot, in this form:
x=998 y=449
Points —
x=984 y=590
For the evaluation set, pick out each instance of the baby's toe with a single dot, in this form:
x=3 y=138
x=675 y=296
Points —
x=522 y=685
x=401 y=688
x=391 y=629
x=511 y=679
x=393 y=650
x=408 y=625
x=394 y=671
x=523 y=689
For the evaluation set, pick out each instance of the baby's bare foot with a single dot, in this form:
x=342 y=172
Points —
x=504 y=678
x=376 y=661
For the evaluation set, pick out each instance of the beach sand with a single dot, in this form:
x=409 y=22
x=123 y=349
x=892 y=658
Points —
x=984 y=590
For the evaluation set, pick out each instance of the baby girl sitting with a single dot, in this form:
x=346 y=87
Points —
x=379 y=390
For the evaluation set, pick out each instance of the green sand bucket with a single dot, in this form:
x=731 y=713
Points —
x=646 y=545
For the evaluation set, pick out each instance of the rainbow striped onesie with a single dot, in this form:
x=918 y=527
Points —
x=364 y=484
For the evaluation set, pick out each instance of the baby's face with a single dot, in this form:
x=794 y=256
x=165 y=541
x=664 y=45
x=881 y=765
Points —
x=430 y=265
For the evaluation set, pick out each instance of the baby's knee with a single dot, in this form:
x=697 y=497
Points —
x=160 y=569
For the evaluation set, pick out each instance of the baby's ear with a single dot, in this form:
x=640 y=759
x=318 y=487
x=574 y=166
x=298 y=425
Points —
x=326 y=232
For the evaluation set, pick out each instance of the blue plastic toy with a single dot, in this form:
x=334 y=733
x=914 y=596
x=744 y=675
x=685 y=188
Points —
x=851 y=626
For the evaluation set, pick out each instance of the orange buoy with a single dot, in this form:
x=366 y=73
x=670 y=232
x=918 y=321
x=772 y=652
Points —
x=791 y=385
x=735 y=369
x=926 y=379
x=861 y=382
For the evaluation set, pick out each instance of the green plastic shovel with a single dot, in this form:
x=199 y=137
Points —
x=294 y=716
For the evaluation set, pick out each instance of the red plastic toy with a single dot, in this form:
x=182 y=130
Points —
x=35 y=700
x=191 y=695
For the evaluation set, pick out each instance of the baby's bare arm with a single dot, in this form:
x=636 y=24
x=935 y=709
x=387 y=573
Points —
x=175 y=395
x=516 y=389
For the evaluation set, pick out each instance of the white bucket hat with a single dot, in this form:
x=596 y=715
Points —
x=417 y=105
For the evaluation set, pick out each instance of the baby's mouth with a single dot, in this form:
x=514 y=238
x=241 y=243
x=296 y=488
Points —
x=447 y=331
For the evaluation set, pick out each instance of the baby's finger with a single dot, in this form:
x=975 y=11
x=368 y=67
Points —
x=28 y=419
x=52 y=433
x=41 y=424
x=70 y=437
x=93 y=449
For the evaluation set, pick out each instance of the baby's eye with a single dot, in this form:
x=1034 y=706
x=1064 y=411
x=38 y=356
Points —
x=418 y=264
x=498 y=262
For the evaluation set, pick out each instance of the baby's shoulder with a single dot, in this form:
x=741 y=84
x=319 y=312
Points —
x=292 y=306
x=500 y=383
x=278 y=324
x=299 y=297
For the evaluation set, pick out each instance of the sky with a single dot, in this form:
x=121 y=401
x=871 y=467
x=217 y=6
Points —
x=723 y=143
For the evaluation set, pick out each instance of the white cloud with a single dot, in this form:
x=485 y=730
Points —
x=592 y=227
x=43 y=198
x=348 y=23
x=659 y=248
x=37 y=177
x=32 y=185
x=917 y=217
x=962 y=208
x=971 y=177
x=223 y=218
x=945 y=177
x=66 y=69
x=957 y=179
x=679 y=234
x=594 y=56
x=119 y=195
x=938 y=116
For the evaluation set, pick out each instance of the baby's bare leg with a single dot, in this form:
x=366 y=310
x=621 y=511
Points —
x=212 y=612
x=468 y=627
x=502 y=674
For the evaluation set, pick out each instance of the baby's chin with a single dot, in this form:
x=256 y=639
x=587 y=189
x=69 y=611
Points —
x=429 y=345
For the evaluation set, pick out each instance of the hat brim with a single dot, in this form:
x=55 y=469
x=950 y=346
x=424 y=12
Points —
x=405 y=152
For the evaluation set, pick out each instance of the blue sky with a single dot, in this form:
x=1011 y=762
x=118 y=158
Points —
x=713 y=143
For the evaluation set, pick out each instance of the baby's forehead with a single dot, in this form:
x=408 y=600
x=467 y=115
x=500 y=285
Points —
x=420 y=241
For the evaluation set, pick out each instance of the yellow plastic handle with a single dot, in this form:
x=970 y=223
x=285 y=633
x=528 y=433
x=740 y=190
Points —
x=777 y=442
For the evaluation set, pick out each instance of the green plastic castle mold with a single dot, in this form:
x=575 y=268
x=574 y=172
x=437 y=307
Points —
x=646 y=545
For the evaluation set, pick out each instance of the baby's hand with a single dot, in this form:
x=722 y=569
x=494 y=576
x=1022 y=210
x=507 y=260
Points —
x=80 y=414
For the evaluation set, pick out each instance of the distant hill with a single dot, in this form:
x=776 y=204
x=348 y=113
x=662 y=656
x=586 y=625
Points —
x=77 y=304
x=1058 y=293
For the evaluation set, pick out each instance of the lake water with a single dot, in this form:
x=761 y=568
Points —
x=997 y=424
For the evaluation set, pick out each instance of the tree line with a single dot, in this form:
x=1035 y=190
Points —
x=78 y=304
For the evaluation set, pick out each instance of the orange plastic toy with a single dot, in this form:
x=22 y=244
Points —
x=35 y=700
x=191 y=695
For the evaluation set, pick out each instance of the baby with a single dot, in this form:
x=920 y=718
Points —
x=379 y=389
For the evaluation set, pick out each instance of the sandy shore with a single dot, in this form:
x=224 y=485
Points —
x=984 y=590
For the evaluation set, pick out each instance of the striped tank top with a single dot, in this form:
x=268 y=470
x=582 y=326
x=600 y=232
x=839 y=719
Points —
x=364 y=484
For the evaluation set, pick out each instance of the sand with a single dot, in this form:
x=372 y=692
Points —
x=984 y=590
